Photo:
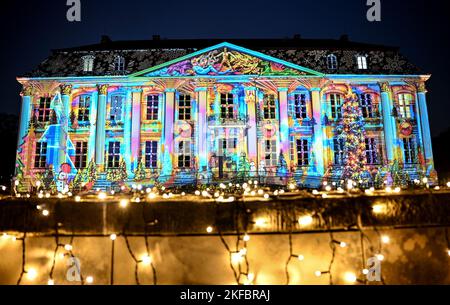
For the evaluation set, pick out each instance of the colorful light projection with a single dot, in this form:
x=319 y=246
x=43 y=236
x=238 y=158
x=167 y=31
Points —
x=225 y=61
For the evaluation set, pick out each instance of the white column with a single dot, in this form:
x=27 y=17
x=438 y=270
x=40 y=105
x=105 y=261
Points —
x=168 y=132
x=317 y=146
x=202 y=129
x=136 y=97
x=284 y=124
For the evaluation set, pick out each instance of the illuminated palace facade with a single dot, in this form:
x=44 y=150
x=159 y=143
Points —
x=179 y=110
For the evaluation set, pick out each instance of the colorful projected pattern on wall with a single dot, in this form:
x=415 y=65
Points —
x=225 y=61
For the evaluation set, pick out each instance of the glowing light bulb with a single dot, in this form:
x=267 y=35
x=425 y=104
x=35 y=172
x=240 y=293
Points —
x=385 y=239
x=301 y=257
x=350 y=277
x=380 y=257
x=146 y=259
x=448 y=184
x=246 y=237
x=45 y=212
x=77 y=198
x=123 y=203
x=50 y=282
x=315 y=192
x=397 y=190
x=448 y=252
x=113 y=236
x=32 y=274
x=343 y=244
x=209 y=229
x=89 y=279
x=379 y=208
x=266 y=196
x=260 y=222
x=68 y=247
x=305 y=220
x=328 y=188
x=102 y=196
x=437 y=188
x=365 y=271
x=318 y=273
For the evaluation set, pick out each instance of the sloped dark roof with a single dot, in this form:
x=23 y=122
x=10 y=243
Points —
x=142 y=54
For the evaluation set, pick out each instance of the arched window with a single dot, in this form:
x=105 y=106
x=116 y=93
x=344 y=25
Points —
x=119 y=63
x=88 y=63
x=332 y=62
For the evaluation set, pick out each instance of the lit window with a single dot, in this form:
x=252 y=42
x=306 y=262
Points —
x=119 y=63
x=300 y=106
x=184 y=107
x=270 y=153
x=269 y=106
x=151 y=154
x=40 y=158
x=115 y=112
x=84 y=104
x=227 y=144
x=405 y=104
x=338 y=149
x=152 y=107
x=362 y=62
x=336 y=104
x=371 y=151
x=226 y=106
x=80 y=154
x=332 y=62
x=114 y=154
x=184 y=154
x=365 y=102
x=44 y=110
x=409 y=150
x=302 y=152
x=88 y=63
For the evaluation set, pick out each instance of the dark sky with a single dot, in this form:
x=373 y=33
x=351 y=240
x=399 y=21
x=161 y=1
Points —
x=30 y=29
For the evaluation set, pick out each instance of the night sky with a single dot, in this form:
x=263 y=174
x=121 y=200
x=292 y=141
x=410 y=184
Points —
x=30 y=29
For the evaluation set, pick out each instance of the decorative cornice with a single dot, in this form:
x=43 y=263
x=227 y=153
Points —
x=102 y=89
x=421 y=87
x=384 y=87
x=66 y=89
x=27 y=90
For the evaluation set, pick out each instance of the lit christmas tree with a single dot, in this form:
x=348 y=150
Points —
x=351 y=130
x=90 y=173
x=122 y=173
x=244 y=166
x=139 y=173
x=282 y=165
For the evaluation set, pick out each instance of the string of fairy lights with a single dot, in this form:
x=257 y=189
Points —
x=238 y=254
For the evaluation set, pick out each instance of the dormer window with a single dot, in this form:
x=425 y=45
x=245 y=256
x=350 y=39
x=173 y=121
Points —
x=362 y=62
x=119 y=63
x=88 y=63
x=332 y=62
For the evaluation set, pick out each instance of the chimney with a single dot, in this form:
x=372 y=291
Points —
x=105 y=39
x=297 y=36
x=156 y=37
x=344 y=37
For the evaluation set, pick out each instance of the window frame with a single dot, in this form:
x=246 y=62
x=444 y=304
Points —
x=81 y=150
x=227 y=106
x=122 y=103
x=152 y=107
x=184 y=154
x=119 y=63
x=88 y=63
x=85 y=110
x=335 y=105
x=151 y=154
x=269 y=107
x=184 y=110
x=371 y=150
x=44 y=109
x=409 y=150
x=300 y=106
x=40 y=155
x=405 y=106
x=113 y=161
x=302 y=149
x=367 y=105
x=338 y=151
x=361 y=62
x=270 y=153
x=332 y=62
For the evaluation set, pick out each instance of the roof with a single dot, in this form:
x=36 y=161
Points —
x=144 y=54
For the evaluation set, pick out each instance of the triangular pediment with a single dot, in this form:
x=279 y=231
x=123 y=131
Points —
x=226 y=59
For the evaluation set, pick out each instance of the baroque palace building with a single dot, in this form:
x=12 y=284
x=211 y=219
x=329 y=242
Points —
x=177 y=110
